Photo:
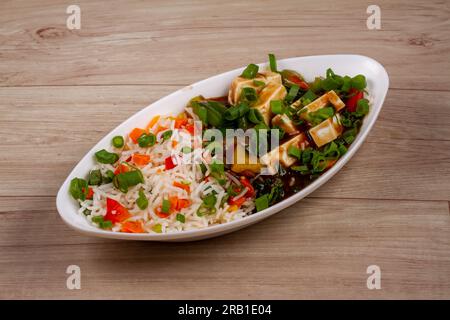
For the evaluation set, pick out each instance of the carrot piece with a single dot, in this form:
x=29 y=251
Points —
x=136 y=133
x=183 y=203
x=152 y=122
x=190 y=128
x=182 y=186
x=173 y=203
x=180 y=123
x=174 y=143
x=132 y=227
x=159 y=129
x=141 y=159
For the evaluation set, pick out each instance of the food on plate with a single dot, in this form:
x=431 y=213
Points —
x=224 y=158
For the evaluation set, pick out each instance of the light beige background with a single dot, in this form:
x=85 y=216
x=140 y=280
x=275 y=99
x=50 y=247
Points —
x=61 y=91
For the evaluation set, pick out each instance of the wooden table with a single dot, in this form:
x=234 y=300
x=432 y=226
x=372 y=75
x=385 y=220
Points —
x=61 y=90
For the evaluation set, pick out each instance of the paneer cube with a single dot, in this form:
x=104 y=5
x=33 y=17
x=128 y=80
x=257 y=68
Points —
x=326 y=131
x=280 y=155
x=284 y=122
x=272 y=91
x=321 y=102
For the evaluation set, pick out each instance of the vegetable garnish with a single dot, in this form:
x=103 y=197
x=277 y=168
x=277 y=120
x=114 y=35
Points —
x=262 y=202
x=250 y=72
x=135 y=134
x=124 y=180
x=292 y=93
x=169 y=163
x=118 y=142
x=166 y=135
x=132 y=227
x=140 y=159
x=276 y=106
x=272 y=62
x=180 y=217
x=146 y=140
x=115 y=212
x=106 y=157
x=95 y=177
x=78 y=189
x=142 y=201
x=165 y=207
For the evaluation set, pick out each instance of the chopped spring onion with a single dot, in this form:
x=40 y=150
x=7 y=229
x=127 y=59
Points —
x=180 y=217
x=201 y=111
x=106 y=157
x=146 y=140
x=102 y=223
x=236 y=111
x=124 y=180
x=276 y=106
x=186 y=150
x=95 y=177
x=142 y=201
x=157 y=228
x=249 y=94
x=78 y=189
x=118 y=141
x=258 y=83
x=292 y=93
x=165 y=208
x=272 y=62
x=250 y=72
x=262 y=202
x=302 y=169
x=295 y=152
x=166 y=135
x=255 y=116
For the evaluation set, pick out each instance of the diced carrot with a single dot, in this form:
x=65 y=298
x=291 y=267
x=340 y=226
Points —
x=136 y=133
x=174 y=143
x=173 y=203
x=132 y=227
x=152 y=122
x=161 y=214
x=183 y=203
x=141 y=159
x=182 y=186
x=180 y=123
x=121 y=168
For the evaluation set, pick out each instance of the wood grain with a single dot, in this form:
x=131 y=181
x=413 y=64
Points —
x=61 y=91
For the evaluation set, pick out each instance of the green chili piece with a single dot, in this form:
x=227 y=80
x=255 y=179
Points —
x=124 y=180
x=95 y=177
x=146 y=140
x=180 y=217
x=142 y=201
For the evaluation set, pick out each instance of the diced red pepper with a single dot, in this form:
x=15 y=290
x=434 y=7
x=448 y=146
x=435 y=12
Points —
x=169 y=163
x=161 y=214
x=121 y=168
x=115 y=212
x=355 y=96
x=251 y=191
x=90 y=193
x=237 y=202
x=190 y=128
x=302 y=84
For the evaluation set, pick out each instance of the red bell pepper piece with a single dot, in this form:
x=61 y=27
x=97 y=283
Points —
x=169 y=163
x=237 y=202
x=251 y=191
x=115 y=212
x=355 y=96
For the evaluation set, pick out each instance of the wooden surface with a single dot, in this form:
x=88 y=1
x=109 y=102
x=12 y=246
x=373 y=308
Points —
x=62 y=90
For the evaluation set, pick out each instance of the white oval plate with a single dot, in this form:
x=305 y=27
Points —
x=309 y=67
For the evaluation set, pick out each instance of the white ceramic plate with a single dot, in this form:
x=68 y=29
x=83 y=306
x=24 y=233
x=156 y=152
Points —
x=310 y=67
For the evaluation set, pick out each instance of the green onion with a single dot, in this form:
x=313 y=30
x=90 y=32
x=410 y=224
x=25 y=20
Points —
x=204 y=210
x=165 y=208
x=146 y=140
x=104 y=156
x=292 y=93
x=242 y=123
x=180 y=217
x=309 y=95
x=359 y=82
x=295 y=152
x=201 y=111
x=186 y=150
x=124 y=180
x=255 y=116
x=248 y=94
x=250 y=72
x=101 y=222
x=319 y=162
x=166 y=135
x=95 y=177
x=210 y=200
x=362 y=107
x=307 y=155
x=276 y=106
x=157 y=228
x=214 y=115
x=78 y=189
x=262 y=202
x=236 y=111
x=142 y=201
x=320 y=115
x=118 y=141
x=302 y=169
x=108 y=177
x=259 y=83
x=331 y=150
x=272 y=62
